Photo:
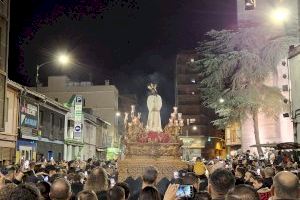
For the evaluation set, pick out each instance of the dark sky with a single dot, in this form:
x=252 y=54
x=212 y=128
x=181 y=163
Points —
x=129 y=42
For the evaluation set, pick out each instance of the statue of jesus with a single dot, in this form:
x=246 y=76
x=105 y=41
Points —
x=154 y=104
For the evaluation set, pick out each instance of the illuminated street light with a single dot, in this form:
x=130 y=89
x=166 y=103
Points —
x=194 y=128
x=62 y=58
x=280 y=15
x=118 y=114
x=192 y=60
x=221 y=100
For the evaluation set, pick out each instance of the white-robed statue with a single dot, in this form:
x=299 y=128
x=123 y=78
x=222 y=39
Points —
x=154 y=104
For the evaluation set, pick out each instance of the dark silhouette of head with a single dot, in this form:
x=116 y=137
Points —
x=87 y=195
x=97 y=180
x=126 y=188
x=25 y=192
x=242 y=192
x=149 y=193
x=220 y=182
x=116 y=193
x=150 y=175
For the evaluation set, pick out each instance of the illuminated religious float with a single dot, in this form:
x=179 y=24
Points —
x=150 y=145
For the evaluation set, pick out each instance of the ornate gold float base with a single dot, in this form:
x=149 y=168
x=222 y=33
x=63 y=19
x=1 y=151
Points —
x=134 y=166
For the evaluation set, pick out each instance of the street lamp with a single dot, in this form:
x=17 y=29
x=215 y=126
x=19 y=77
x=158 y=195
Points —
x=280 y=15
x=61 y=58
x=118 y=114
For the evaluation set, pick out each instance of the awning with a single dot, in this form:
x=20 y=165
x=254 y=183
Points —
x=284 y=145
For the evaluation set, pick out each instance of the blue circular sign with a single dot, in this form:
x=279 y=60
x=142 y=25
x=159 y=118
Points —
x=77 y=128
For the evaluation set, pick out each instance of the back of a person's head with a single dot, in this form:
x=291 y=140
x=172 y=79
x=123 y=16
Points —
x=60 y=190
x=190 y=179
x=87 y=195
x=241 y=170
x=198 y=159
x=126 y=188
x=6 y=191
x=44 y=188
x=97 y=180
x=242 y=192
x=202 y=195
x=102 y=195
x=25 y=192
x=150 y=175
x=221 y=180
x=116 y=193
x=149 y=193
x=285 y=185
x=269 y=172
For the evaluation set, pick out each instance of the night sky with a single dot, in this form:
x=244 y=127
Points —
x=129 y=42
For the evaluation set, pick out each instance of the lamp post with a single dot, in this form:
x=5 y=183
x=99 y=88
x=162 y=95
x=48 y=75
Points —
x=63 y=59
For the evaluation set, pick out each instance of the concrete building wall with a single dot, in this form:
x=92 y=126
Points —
x=278 y=128
x=102 y=99
x=9 y=136
x=89 y=148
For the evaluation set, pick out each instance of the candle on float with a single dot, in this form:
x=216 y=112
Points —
x=173 y=115
x=175 y=109
x=181 y=122
x=179 y=116
x=176 y=122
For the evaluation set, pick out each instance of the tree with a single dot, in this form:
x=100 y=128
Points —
x=234 y=66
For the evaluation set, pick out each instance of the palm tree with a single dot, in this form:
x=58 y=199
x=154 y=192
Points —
x=234 y=66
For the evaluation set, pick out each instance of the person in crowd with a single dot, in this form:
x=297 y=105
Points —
x=199 y=167
x=268 y=177
x=87 y=195
x=285 y=186
x=6 y=191
x=148 y=193
x=220 y=182
x=242 y=192
x=258 y=183
x=60 y=190
x=44 y=188
x=278 y=168
x=51 y=171
x=125 y=186
x=249 y=175
x=116 y=193
x=192 y=179
x=25 y=192
x=10 y=176
x=239 y=175
x=149 y=179
x=97 y=180
x=76 y=185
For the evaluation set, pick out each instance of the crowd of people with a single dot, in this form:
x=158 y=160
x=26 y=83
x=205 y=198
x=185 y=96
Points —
x=238 y=178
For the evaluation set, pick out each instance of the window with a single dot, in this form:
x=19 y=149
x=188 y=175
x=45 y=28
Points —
x=41 y=117
x=2 y=100
x=52 y=120
x=6 y=109
x=61 y=123
x=250 y=4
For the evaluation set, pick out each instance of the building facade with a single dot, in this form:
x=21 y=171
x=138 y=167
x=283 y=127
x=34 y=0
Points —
x=102 y=99
x=261 y=13
x=8 y=137
x=42 y=125
x=4 y=39
x=196 y=116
